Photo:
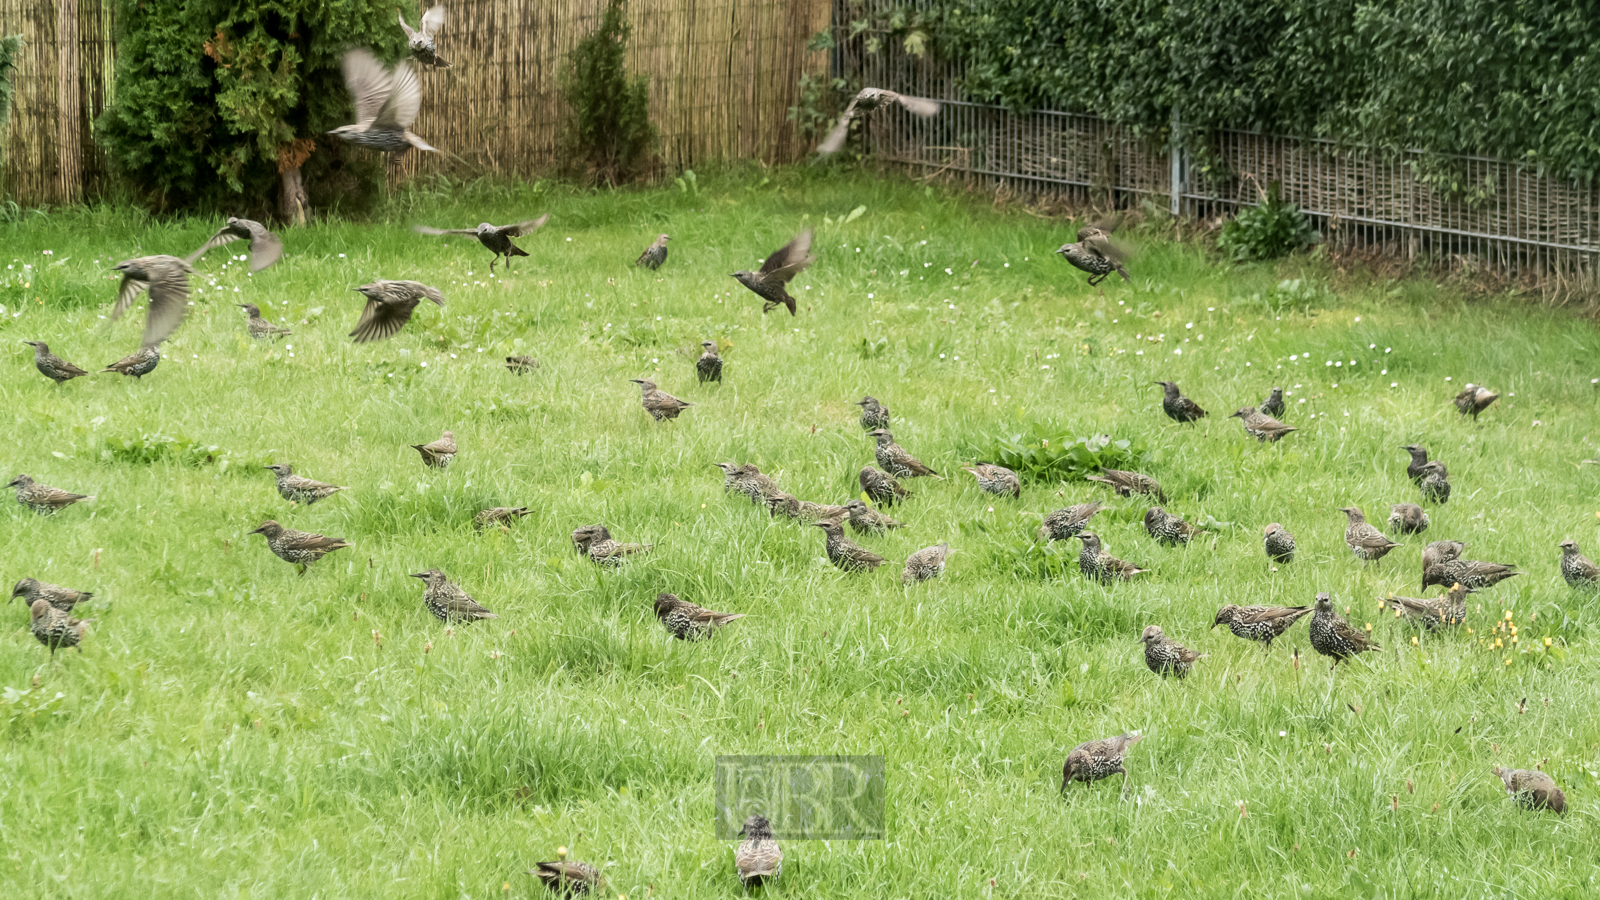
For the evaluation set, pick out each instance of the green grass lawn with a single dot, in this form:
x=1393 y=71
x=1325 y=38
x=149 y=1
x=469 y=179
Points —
x=233 y=729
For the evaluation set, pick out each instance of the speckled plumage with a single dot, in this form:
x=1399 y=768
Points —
x=1260 y=623
x=42 y=498
x=1167 y=528
x=595 y=542
x=1094 y=253
x=1363 y=539
x=655 y=254
x=1407 y=518
x=1433 y=613
x=1333 y=637
x=494 y=238
x=709 y=366
x=423 y=40
x=52 y=366
x=569 y=878
x=386 y=103
x=1101 y=566
x=993 y=479
x=1532 y=789
x=54 y=628
x=1126 y=484
x=1166 y=656
x=1576 y=568
x=62 y=598
x=1066 y=522
x=771 y=283
x=1178 y=407
x=1279 y=543
x=658 y=403
x=1475 y=575
x=758 y=859
x=844 y=553
x=749 y=481
x=882 y=487
x=301 y=548
x=521 y=365
x=439 y=453
x=260 y=328
x=499 y=515
x=784 y=504
x=1261 y=426
x=1435 y=484
x=136 y=365
x=389 y=307
x=874 y=415
x=895 y=460
x=1474 y=399
x=925 y=564
x=296 y=489
x=866 y=520
x=448 y=601
x=1419 y=458
x=1094 y=760
x=688 y=622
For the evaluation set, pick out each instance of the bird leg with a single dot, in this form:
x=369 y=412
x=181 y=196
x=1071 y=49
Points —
x=1124 y=782
x=493 y=261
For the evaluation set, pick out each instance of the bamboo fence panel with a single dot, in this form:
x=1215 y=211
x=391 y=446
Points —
x=65 y=65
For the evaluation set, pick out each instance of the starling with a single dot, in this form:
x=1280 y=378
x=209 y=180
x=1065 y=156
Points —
x=424 y=49
x=299 y=547
x=389 y=307
x=260 y=328
x=499 y=515
x=1273 y=405
x=654 y=255
x=1532 y=789
x=1094 y=760
x=1441 y=552
x=770 y=284
x=1260 y=623
x=1178 y=407
x=438 y=454
x=1473 y=574
x=804 y=510
x=865 y=101
x=709 y=366
x=1066 y=522
x=993 y=479
x=1332 y=636
x=1419 y=458
x=925 y=564
x=1435 y=487
x=1094 y=253
x=873 y=414
x=658 y=403
x=386 y=101
x=55 y=628
x=1167 y=528
x=1474 y=399
x=52 y=366
x=1261 y=426
x=758 y=859
x=844 y=553
x=138 y=365
x=688 y=622
x=521 y=365
x=895 y=460
x=447 y=601
x=296 y=489
x=167 y=280
x=881 y=487
x=1101 y=566
x=1408 y=518
x=42 y=498
x=1366 y=541
x=32 y=589
x=866 y=520
x=1279 y=543
x=1166 y=656
x=1433 y=613
x=758 y=487
x=265 y=247
x=730 y=478
x=596 y=542
x=1576 y=568
x=1126 y=484
x=568 y=878
x=495 y=238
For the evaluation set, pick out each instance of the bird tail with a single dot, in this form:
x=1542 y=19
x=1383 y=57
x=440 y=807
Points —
x=1123 y=272
x=726 y=618
x=516 y=251
x=920 y=106
x=419 y=143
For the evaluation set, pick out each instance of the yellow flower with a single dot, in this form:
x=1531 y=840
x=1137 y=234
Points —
x=1413 y=640
x=1508 y=660
x=1513 y=639
x=1508 y=615
x=1547 y=642
x=1497 y=643
x=1369 y=626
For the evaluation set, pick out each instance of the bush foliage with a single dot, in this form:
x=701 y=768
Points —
x=1273 y=229
x=1042 y=456
x=607 y=136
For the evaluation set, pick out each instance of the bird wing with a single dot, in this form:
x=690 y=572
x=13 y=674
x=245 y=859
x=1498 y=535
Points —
x=918 y=106
x=433 y=20
x=169 y=300
x=57 y=497
x=426 y=229
x=409 y=33
x=789 y=260
x=265 y=247
x=305 y=540
x=522 y=228
x=405 y=99
x=370 y=82
x=840 y=132
x=380 y=320
x=224 y=236
x=418 y=291
x=132 y=285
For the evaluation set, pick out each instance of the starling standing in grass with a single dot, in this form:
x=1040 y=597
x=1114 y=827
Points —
x=1365 y=541
x=758 y=859
x=438 y=454
x=655 y=255
x=1532 y=789
x=709 y=366
x=569 y=879
x=64 y=599
x=56 y=629
x=770 y=284
x=521 y=365
x=925 y=564
x=865 y=101
x=1474 y=574
x=386 y=101
x=1167 y=528
x=301 y=548
x=260 y=328
x=1178 y=407
x=873 y=414
x=1435 y=486
x=499 y=515
x=1441 y=552
x=866 y=520
x=844 y=553
x=1260 y=623
x=688 y=622
x=296 y=489
x=993 y=479
x=756 y=486
x=1407 y=518
x=265 y=247
x=1101 y=566
x=136 y=365
x=1261 y=426
x=1126 y=484
x=495 y=238
x=1166 y=656
x=389 y=307
x=1066 y=522
x=1332 y=636
x=894 y=458
x=596 y=542
x=1433 y=613
x=658 y=403
x=731 y=483
x=423 y=40
x=804 y=510
x=882 y=487
x=1094 y=760
x=447 y=601
x=1094 y=253
x=1576 y=568
x=42 y=498
x=1273 y=405
x=1419 y=458
x=1279 y=543
x=52 y=366
x=167 y=280
x=1474 y=399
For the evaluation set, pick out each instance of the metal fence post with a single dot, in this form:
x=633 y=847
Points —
x=1176 y=152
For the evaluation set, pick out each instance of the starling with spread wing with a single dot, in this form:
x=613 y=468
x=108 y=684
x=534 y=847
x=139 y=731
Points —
x=389 y=306
x=868 y=100
x=1095 y=253
x=386 y=100
x=167 y=280
x=495 y=238
x=265 y=247
x=771 y=283
x=422 y=40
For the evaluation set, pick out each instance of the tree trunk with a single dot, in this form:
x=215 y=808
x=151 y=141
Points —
x=293 y=206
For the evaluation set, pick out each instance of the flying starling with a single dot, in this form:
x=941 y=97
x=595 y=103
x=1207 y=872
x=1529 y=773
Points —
x=569 y=879
x=1101 y=566
x=265 y=247
x=866 y=520
x=1474 y=399
x=993 y=479
x=1167 y=528
x=1273 y=405
x=56 y=629
x=499 y=515
x=1094 y=760
x=52 y=366
x=1576 y=568
x=873 y=414
x=41 y=498
x=688 y=622
x=167 y=280
x=865 y=101
x=386 y=101
x=709 y=366
x=1066 y=522
x=301 y=548
x=1126 y=484
x=495 y=238
x=654 y=255
x=1532 y=789
x=389 y=306
x=596 y=542
x=1475 y=575
x=64 y=599
x=895 y=460
x=137 y=365
x=1094 y=253
x=1407 y=518
x=881 y=487
x=659 y=404
x=925 y=564
x=1433 y=613
x=1279 y=543
x=296 y=489
x=844 y=553
x=447 y=601
x=1261 y=426
x=770 y=284
x=260 y=328
x=1419 y=458
x=521 y=365
x=1178 y=407
x=1435 y=486
x=1166 y=656
x=424 y=48
x=1365 y=541
x=1260 y=623
x=1332 y=636
x=758 y=859
x=438 y=454
x=804 y=510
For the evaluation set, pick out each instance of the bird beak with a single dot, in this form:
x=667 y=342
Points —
x=257 y=531
x=416 y=575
